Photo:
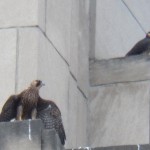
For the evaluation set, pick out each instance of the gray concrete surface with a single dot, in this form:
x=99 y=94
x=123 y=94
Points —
x=28 y=134
x=42 y=14
x=40 y=60
x=18 y=13
x=145 y=147
x=8 y=46
x=21 y=135
x=72 y=119
x=50 y=40
x=83 y=55
x=123 y=147
x=143 y=15
x=74 y=40
x=120 y=70
x=81 y=121
x=27 y=57
x=92 y=28
x=117 y=30
x=119 y=114
x=58 y=18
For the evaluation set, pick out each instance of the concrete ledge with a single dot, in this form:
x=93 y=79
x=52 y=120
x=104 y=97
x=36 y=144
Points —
x=50 y=140
x=125 y=147
x=145 y=147
x=129 y=69
x=28 y=135
x=21 y=135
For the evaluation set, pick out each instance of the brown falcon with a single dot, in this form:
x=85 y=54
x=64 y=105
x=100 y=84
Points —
x=29 y=105
x=141 y=47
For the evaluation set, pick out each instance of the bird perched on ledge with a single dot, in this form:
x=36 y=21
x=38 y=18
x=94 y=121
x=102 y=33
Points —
x=141 y=47
x=29 y=105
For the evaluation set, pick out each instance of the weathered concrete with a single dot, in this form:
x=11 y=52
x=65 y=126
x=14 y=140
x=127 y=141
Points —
x=125 y=147
x=58 y=25
x=81 y=121
x=17 y=135
x=128 y=69
x=72 y=115
x=74 y=40
x=8 y=40
x=49 y=42
x=144 y=147
x=27 y=53
x=119 y=114
x=143 y=15
x=83 y=54
x=116 y=29
x=28 y=134
x=41 y=14
x=18 y=13
x=92 y=28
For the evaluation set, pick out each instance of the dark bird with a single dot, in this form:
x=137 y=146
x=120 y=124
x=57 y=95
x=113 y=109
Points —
x=141 y=47
x=29 y=105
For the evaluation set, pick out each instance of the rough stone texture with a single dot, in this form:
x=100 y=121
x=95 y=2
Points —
x=27 y=57
x=42 y=15
x=120 y=70
x=15 y=135
x=53 y=70
x=8 y=40
x=143 y=15
x=116 y=29
x=119 y=110
x=18 y=13
x=50 y=140
x=58 y=20
x=83 y=54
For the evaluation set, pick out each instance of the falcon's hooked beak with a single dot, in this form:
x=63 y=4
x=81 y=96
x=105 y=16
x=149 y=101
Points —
x=42 y=84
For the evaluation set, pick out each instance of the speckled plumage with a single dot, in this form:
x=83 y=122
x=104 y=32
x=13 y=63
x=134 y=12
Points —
x=47 y=111
x=50 y=114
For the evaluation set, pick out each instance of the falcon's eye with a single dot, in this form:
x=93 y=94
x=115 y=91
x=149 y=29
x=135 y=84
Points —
x=38 y=82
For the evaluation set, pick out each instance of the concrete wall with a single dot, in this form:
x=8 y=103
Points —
x=119 y=93
x=48 y=40
x=118 y=25
x=29 y=135
x=119 y=114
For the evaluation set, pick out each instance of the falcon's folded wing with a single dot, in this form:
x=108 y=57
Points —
x=50 y=114
x=9 y=109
